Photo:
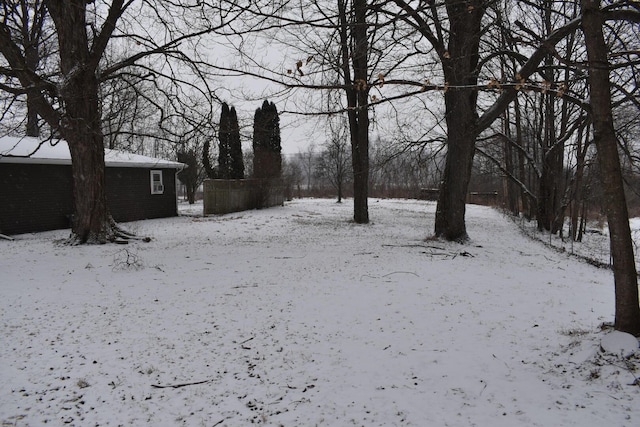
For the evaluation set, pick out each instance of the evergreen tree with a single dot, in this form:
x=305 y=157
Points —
x=267 y=160
x=224 y=143
x=275 y=141
x=236 y=166
x=230 y=158
x=259 y=149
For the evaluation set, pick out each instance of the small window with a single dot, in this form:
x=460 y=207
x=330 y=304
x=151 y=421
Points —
x=156 y=182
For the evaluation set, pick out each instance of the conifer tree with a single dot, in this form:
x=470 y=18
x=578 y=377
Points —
x=236 y=166
x=267 y=161
x=224 y=143
x=209 y=170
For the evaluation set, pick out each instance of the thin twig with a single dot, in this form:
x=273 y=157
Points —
x=415 y=245
x=290 y=257
x=180 y=385
x=246 y=341
x=400 y=272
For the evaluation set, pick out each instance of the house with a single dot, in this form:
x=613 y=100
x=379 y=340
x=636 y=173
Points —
x=36 y=185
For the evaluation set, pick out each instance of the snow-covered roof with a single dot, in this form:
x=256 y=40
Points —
x=56 y=152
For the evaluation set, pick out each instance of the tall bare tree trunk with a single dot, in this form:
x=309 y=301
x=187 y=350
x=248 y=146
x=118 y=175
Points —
x=578 y=200
x=357 y=91
x=547 y=192
x=510 y=189
x=81 y=125
x=525 y=198
x=550 y=188
x=32 y=56
x=460 y=72
x=450 y=210
x=624 y=269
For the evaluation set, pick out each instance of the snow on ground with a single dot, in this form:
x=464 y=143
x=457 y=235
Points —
x=595 y=242
x=296 y=316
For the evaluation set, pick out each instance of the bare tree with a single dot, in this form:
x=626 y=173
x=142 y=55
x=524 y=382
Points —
x=458 y=50
x=307 y=160
x=334 y=162
x=191 y=177
x=211 y=171
x=354 y=51
x=129 y=120
x=624 y=269
x=455 y=32
x=71 y=106
x=334 y=43
x=26 y=20
x=401 y=170
x=292 y=177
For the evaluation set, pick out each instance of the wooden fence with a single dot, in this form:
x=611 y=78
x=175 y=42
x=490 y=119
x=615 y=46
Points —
x=235 y=195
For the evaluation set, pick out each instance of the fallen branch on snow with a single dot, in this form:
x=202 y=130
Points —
x=246 y=341
x=180 y=385
x=415 y=246
x=445 y=253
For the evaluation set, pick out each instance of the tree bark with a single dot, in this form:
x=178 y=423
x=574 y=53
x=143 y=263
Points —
x=525 y=198
x=81 y=123
x=360 y=147
x=461 y=73
x=32 y=59
x=624 y=270
x=581 y=154
x=511 y=189
x=357 y=92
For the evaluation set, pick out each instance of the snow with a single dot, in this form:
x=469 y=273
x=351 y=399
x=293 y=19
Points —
x=56 y=152
x=595 y=245
x=296 y=316
x=619 y=343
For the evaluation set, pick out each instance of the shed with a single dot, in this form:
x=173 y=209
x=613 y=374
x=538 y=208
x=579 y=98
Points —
x=36 y=185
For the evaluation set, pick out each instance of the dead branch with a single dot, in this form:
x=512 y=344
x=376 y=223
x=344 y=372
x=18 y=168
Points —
x=126 y=260
x=400 y=272
x=180 y=385
x=415 y=245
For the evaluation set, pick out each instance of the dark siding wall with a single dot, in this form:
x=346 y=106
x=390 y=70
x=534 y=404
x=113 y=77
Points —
x=34 y=197
x=39 y=197
x=129 y=194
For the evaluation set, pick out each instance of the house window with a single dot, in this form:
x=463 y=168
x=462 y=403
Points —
x=156 y=182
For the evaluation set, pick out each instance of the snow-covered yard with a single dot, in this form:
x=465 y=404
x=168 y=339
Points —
x=595 y=244
x=296 y=316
